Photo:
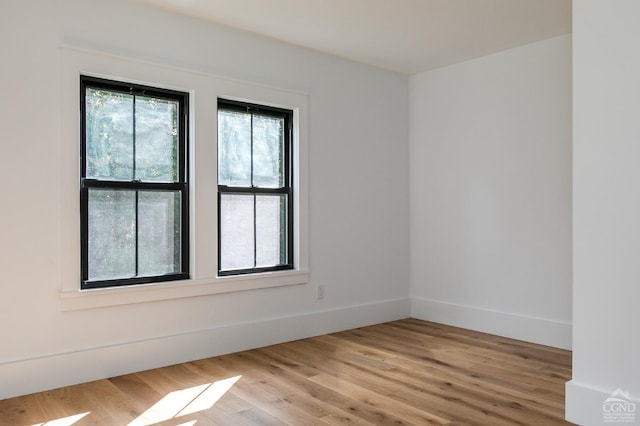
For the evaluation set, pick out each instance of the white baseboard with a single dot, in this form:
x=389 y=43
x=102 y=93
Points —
x=536 y=330
x=584 y=405
x=26 y=376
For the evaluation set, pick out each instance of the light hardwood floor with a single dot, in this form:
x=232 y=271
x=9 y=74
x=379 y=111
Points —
x=402 y=372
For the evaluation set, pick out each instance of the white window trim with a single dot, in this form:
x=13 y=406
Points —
x=204 y=89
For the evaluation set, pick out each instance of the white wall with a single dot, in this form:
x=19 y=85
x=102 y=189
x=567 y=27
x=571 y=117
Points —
x=358 y=185
x=490 y=173
x=606 y=199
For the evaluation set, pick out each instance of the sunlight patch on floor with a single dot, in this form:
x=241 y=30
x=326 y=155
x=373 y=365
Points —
x=66 y=421
x=185 y=401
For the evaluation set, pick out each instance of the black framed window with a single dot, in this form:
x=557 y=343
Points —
x=134 y=195
x=255 y=191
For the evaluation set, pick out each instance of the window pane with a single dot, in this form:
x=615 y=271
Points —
x=234 y=148
x=156 y=139
x=271 y=228
x=268 y=141
x=112 y=234
x=158 y=232
x=236 y=231
x=109 y=135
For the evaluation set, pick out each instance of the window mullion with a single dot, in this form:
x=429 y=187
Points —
x=252 y=184
x=142 y=186
x=137 y=236
x=136 y=225
x=255 y=226
x=247 y=190
x=255 y=231
x=133 y=134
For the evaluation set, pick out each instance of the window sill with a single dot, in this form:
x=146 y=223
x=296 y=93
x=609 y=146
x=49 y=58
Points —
x=100 y=298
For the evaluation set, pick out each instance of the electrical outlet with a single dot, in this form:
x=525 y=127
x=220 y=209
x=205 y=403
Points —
x=320 y=292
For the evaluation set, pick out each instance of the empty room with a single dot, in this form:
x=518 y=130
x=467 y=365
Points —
x=302 y=212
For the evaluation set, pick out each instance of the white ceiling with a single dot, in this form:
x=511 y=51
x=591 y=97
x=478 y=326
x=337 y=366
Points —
x=407 y=36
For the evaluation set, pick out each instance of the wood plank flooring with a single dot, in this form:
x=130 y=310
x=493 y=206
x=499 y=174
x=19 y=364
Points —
x=406 y=372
